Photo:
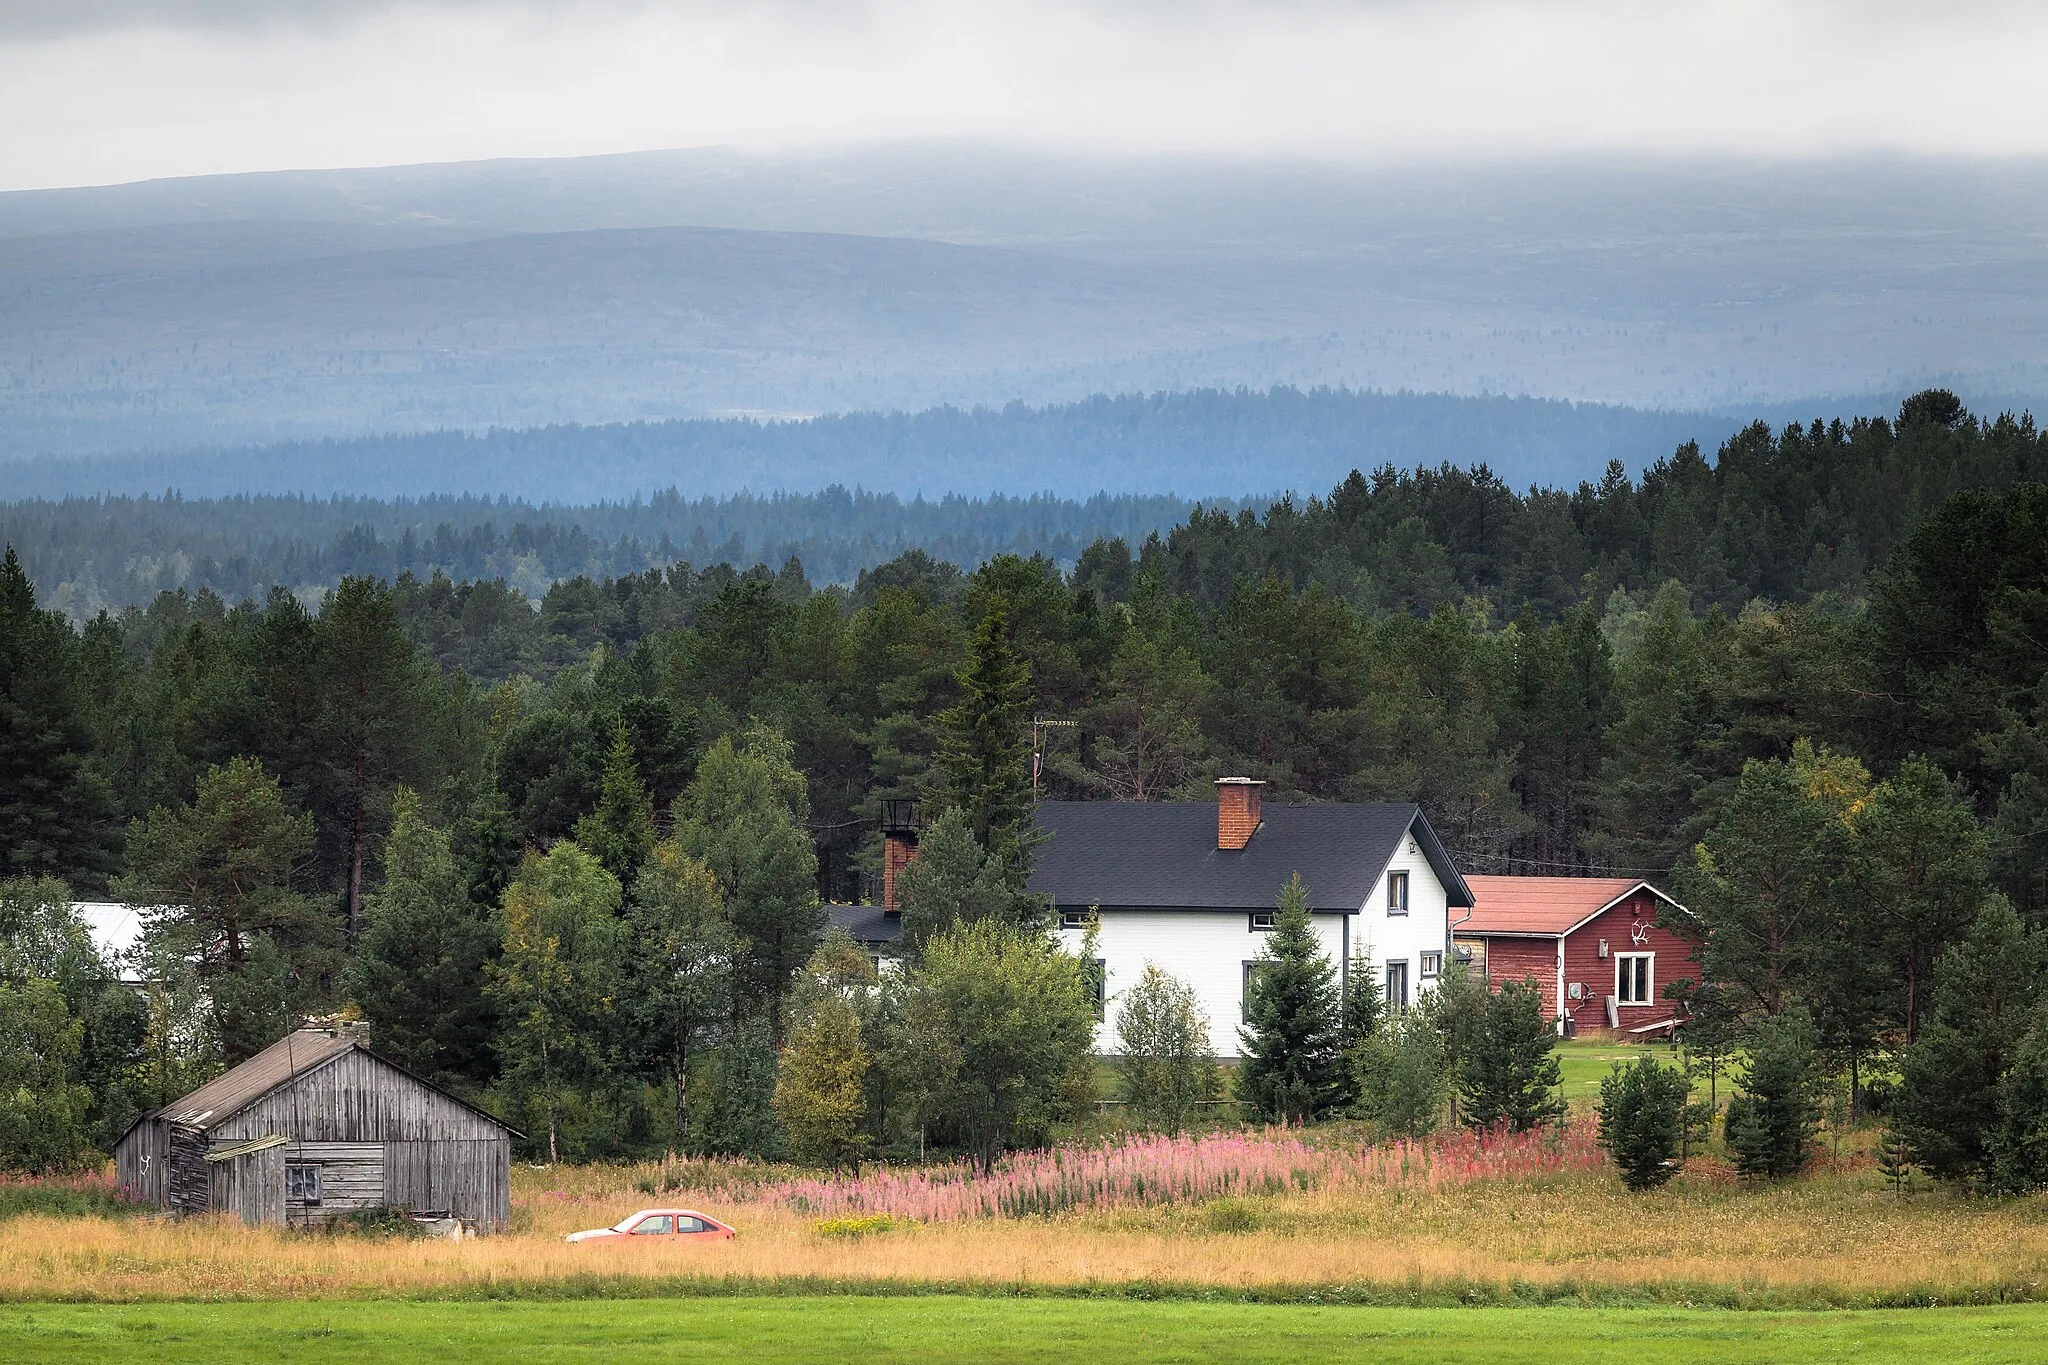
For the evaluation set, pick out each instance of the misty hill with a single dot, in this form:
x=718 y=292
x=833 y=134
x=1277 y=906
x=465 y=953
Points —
x=234 y=309
x=1198 y=444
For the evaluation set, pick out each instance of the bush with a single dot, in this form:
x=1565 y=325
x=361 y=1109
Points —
x=1641 y=1109
x=1403 y=1075
x=866 y=1225
x=1163 y=1064
x=1772 y=1121
x=1231 y=1215
x=382 y=1223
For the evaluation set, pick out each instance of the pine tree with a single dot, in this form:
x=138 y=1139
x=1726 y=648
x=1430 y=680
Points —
x=985 y=748
x=373 y=729
x=954 y=881
x=1292 y=1067
x=418 y=970
x=1985 y=989
x=1510 y=1076
x=1642 y=1108
x=223 y=868
x=621 y=830
x=1772 y=1122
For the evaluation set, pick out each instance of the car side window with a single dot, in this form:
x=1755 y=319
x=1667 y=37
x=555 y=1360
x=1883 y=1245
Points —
x=690 y=1225
x=654 y=1226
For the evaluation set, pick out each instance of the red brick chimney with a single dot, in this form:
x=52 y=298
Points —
x=1237 y=810
x=899 y=850
x=899 y=846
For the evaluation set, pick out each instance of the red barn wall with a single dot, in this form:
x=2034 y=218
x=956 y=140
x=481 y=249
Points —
x=1583 y=963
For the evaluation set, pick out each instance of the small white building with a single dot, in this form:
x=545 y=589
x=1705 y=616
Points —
x=1192 y=887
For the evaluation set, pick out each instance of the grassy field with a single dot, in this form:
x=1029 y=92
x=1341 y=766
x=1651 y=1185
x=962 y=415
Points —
x=937 y=1329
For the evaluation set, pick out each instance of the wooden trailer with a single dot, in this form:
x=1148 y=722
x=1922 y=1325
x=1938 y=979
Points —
x=317 y=1125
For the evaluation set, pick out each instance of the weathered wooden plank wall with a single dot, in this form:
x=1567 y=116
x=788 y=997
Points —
x=190 y=1183
x=142 y=1164
x=250 y=1186
x=471 y=1180
x=356 y=1098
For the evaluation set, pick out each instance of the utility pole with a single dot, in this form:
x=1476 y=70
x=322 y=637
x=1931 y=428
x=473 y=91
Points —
x=1039 y=724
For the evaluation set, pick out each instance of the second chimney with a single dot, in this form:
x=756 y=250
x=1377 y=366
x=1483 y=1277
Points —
x=1237 y=810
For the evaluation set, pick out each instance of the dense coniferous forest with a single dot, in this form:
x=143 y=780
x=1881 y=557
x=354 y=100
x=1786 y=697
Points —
x=88 y=553
x=435 y=778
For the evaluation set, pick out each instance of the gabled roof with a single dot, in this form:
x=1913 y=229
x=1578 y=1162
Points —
x=299 y=1053
x=1546 y=907
x=235 y=1089
x=1163 y=855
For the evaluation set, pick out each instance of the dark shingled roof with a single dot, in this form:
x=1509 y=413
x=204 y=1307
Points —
x=866 y=924
x=1146 y=854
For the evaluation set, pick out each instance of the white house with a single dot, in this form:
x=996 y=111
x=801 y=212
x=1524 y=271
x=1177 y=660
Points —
x=1193 y=887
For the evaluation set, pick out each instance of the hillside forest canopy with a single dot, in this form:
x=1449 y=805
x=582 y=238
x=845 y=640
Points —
x=570 y=854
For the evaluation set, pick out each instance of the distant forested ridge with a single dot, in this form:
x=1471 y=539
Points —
x=86 y=554
x=1778 y=514
x=1196 y=443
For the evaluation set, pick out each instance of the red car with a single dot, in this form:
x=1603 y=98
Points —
x=667 y=1225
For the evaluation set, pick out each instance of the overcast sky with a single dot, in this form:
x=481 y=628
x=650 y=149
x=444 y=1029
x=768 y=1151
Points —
x=94 y=91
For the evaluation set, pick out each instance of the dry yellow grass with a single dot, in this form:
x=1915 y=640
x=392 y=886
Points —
x=1831 y=1238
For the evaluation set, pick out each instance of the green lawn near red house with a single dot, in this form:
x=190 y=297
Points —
x=1585 y=1062
x=765 y=1331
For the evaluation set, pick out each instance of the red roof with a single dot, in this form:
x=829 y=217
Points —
x=1540 y=905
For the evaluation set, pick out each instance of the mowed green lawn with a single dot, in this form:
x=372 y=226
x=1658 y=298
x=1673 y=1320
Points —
x=1585 y=1062
x=768 y=1330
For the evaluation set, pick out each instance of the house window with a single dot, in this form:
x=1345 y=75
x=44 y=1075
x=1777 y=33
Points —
x=1264 y=920
x=1073 y=919
x=1098 y=981
x=1635 y=978
x=1432 y=964
x=1245 y=999
x=1397 y=986
x=302 y=1183
x=1397 y=893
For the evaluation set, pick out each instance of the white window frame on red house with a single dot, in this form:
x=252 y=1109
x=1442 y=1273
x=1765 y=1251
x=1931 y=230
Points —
x=1649 y=977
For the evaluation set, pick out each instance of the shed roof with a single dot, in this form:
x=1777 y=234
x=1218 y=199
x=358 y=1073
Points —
x=1163 y=854
x=1545 y=907
x=297 y=1054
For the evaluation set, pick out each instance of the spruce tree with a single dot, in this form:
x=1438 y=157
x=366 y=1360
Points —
x=621 y=830
x=55 y=811
x=985 y=746
x=1292 y=1036
x=418 y=970
x=1510 y=1076
x=1772 y=1122
x=954 y=881
x=1642 y=1113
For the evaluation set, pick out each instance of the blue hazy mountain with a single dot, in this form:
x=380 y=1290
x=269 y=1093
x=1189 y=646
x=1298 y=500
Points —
x=298 y=307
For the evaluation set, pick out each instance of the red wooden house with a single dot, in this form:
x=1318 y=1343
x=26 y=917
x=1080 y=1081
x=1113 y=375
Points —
x=1593 y=945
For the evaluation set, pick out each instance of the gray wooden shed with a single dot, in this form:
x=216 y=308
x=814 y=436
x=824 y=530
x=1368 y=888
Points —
x=316 y=1125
